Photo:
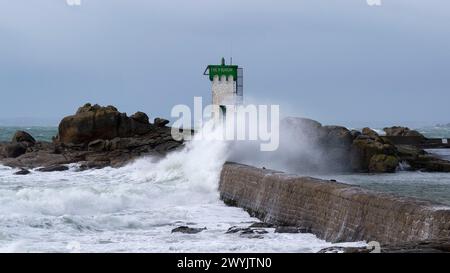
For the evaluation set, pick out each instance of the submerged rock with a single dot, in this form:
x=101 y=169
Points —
x=342 y=249
x=56 y=168
x=290 y=229
x=235 y=229
x=93 y=165
x=22 y=171
x=188 y=230
x=245 y=230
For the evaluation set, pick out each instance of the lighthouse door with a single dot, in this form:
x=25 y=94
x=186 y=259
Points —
x=223 y=111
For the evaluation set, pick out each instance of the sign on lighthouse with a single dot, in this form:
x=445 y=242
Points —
x=226 y=84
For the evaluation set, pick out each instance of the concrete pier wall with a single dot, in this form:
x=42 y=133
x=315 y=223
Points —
x=333 y=211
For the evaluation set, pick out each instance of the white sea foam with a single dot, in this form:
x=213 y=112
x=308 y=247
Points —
x=133 y=208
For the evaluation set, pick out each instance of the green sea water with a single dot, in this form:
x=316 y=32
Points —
x=38 y=132
x=45 y=133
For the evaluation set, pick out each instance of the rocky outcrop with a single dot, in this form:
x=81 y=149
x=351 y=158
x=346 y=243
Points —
x=18 y=146
x=429 y=163
x=335 y=144
x=374 y=153
x=381 y=163
x=401 y=131
x=336 y=136
x=335 y=148
x=370 y=153
x=160 y=122
x=14 y=150
x=140 y=117
x=308 y=126
x=418 y=159
x=339 y=149
x=23 y=137
x=95 y=137
x=307 y=146
x=95 y=122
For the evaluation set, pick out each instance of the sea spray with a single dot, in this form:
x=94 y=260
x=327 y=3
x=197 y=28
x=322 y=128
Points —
x=187 y=176
x=198 y=164
x=403 y=166
x=133 y=208
x=239 y=122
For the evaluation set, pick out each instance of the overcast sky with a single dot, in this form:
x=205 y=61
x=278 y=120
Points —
x=337 y=61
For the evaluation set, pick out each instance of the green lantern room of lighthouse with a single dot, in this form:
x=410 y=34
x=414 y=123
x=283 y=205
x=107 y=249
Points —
x=227 y=83
x=222 y=70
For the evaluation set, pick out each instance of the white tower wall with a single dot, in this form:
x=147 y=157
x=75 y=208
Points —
x=224 y=91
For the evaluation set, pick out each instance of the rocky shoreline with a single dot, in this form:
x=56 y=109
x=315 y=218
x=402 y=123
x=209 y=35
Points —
x=347 y=150
x=94 y=137
x=97 y=137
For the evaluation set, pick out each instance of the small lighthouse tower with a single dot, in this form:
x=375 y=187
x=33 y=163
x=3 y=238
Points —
x=226 y=84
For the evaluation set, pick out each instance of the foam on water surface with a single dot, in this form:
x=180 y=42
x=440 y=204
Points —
x=133 y=209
